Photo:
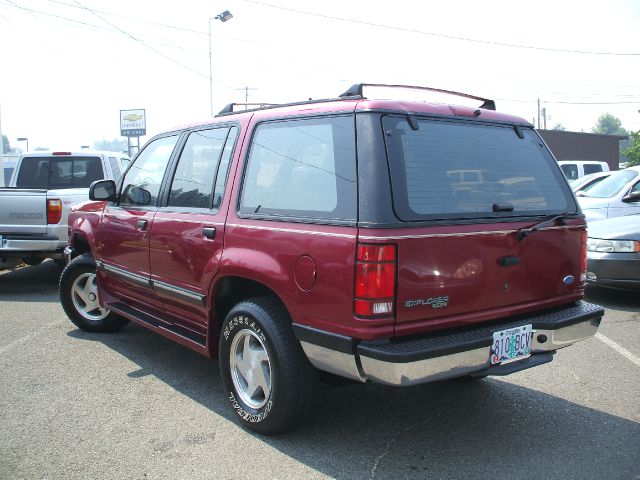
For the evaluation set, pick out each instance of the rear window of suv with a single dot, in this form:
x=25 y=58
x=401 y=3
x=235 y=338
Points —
x=59 y=172
x=448 y=169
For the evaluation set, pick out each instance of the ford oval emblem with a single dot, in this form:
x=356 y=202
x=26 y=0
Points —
x=569 y=279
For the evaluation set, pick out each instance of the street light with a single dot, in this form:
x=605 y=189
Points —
x=24 y=139
x=223 y=17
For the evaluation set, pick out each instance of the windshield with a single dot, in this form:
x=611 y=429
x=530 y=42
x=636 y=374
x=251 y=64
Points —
x=612 y=185
x=452 y=169
x=582 y=180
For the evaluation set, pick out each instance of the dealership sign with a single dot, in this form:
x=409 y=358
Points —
x=133 y=123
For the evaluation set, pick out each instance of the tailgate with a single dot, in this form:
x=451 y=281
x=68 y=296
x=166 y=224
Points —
x=486 y=273
x=24 y=211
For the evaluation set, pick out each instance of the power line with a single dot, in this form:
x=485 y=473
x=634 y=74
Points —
x=93 y=26
x=155 y=50
x=439 y=35
x=184 y=29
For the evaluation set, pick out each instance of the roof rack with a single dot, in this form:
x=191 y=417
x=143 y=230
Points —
x=229 y=108
x=356 y=91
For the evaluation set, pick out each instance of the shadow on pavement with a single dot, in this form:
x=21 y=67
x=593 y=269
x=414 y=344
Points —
x=616 y=299
x=31 y=284
x=477 y=429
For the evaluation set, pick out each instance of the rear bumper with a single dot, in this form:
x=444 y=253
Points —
x=13 y=247
x=443 y=355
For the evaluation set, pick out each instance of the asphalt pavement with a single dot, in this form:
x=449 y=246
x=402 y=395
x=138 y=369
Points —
x=135 y=405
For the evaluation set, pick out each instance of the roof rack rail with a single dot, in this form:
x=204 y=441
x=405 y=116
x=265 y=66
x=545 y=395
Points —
x=229 y=108
x=356 y=91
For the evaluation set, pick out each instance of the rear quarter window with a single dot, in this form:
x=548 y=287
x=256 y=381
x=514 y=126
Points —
x=302 y=169
x=592 y=168
x=449 y=169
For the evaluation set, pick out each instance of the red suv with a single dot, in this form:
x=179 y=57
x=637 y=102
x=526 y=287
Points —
x=398 y=242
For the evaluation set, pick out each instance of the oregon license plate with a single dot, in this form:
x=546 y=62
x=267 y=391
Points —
x=511 y=344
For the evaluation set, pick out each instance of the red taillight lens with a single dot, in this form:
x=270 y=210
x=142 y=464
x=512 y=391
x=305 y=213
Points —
x=583 y=256
x=54 y=210
x=375 y=286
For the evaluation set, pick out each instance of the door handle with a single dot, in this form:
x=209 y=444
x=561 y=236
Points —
x=142 y=225
x=209 y=232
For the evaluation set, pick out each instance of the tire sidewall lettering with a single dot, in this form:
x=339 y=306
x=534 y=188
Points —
x=236 y=324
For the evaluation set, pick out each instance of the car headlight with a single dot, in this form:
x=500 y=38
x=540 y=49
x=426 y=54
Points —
x=612 y=246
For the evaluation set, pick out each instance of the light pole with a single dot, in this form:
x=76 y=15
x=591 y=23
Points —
x=223 y=17
x=24 y=139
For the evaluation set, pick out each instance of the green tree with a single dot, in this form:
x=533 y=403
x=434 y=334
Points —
x=608 y=124
x=559 y=126
x=6 y=148
x=633 y=152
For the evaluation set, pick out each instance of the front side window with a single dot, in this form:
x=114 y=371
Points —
x=141 y=185
x=59 y=172
x=448 y=169
x=302 y=169
x=193 y=181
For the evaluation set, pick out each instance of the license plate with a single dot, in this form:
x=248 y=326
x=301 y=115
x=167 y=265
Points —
x=511 y=345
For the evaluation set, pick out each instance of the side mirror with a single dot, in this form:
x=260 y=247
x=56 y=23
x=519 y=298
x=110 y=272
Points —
x=103 y=190
x=138 y=195
x=632 y=197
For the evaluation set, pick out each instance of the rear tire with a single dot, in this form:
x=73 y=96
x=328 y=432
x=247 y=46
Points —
x=267 y=378
x=79 y=297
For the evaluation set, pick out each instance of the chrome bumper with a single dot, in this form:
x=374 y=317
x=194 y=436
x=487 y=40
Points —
x=442 y=356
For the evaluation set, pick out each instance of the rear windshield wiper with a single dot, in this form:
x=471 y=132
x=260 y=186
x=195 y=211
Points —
x=549 y=220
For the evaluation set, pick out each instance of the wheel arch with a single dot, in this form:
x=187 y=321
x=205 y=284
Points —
x=229 y=291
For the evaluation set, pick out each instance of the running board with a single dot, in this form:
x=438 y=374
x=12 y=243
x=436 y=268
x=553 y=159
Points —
x=155 y=323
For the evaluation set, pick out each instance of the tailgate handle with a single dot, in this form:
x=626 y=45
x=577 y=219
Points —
x=142 y=225
x=508 y=261
x=209 y=232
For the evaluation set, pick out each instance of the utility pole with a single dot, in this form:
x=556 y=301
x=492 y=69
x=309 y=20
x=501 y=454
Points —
x=544 y=117
x=538 y=114
x=246 y=94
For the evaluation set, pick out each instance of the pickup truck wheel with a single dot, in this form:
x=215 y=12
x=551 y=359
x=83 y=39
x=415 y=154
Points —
x=79 y=298
x=267 y=378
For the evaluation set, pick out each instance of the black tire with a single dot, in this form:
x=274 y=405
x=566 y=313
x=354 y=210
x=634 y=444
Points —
x=77 y=304
x=32 y=261
x=264 y=325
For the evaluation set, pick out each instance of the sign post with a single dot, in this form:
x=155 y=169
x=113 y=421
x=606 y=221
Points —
x=133 y=123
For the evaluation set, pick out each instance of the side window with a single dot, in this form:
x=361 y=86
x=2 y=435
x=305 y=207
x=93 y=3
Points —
x=570 y=171
x=592 y=168
x=141 y=185
x=192 y=183
x=302 y=169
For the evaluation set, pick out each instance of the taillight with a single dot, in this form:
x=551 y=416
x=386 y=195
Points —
x=54 y=210
x=375 y=287
x=583 y=256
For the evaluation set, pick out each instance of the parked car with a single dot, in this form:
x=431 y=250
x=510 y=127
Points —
x=574 y=169
x=338 y=235
x=33 y=217
x=615 y=196
x=583 y=184
x=613 y=253
x=9 y=162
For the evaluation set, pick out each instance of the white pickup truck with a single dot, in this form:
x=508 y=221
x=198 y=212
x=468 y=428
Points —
x=35 y=206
